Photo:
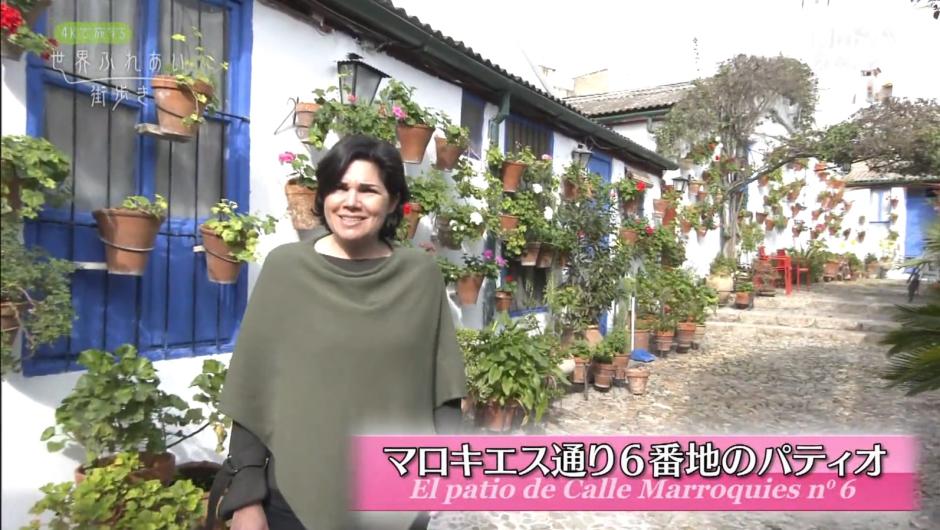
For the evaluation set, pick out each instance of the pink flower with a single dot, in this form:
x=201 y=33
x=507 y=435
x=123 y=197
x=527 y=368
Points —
x=488 y=254
x=649 y=230
x=500 y=262
x=640 y=185
x=546 y=157
x=286 y=157
x=351 y=98
x=399 y=112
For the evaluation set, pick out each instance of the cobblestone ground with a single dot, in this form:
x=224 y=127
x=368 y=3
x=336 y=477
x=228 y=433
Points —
x=760 y=379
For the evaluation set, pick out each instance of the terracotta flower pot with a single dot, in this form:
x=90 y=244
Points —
x=447 y=154
x=604 y=375
x=128 y=237
x=503 y=301
x=684 y=336
x=760 y=217
x=641 y=340
x=628 y=236
x=769 y=224
x=303 y=118
x=546 y=256
x=414 y=142
x=160 y=466
x=793 y=195
x=444 y=234
x=530 y=255
x=742 y=300
x=512 y=175
x=412 y=218
x=579 y=375
x=630 y=207
x=176 y=102
x=669 y=216
x=831 y=269
x=220 y=265
x=508 y=222
x=660 y=206
x=820 y=166
x=10 y=316
x=816 y=213
x=569 y=189
x=301 y=202
x=822 y=176
x=637 y=378
x=664 y=340
x=497 y=418
x=685 y=226
x=699 y=336
x=593 y=335
x=468 y=289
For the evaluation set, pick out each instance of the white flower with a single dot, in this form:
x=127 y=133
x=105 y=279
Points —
x=476 y=218
x=537 y=188
x=479 y=182
x=548 y=213
x=453 y=224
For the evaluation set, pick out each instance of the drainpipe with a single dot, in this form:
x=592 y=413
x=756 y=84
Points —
x=649 y=125
x=489 y=308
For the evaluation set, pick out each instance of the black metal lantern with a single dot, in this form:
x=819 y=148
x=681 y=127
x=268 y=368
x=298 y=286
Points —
x=680 y=183
x=581 y=155
x=358 y=79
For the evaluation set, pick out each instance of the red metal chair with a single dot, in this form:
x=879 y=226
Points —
x=800 y=267
x=782 y=264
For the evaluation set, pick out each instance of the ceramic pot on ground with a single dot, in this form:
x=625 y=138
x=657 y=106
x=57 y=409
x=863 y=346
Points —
x=638 y=378
x=593 y=335
x=685 y=334
x=664 y=341
x=503 y=301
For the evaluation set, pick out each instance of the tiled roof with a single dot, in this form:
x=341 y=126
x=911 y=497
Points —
x=861 y=174
x=630 y=100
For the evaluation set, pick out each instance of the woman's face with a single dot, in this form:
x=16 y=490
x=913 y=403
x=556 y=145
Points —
x=356 y=210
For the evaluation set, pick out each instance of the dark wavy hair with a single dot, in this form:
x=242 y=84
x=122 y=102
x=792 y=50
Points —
x=336 y=161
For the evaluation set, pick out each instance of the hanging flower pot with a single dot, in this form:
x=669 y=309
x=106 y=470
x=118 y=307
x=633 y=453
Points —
x=629 y=207
x=822 y=176
x=301 y=202
x=816 y=214
x=414 y=140
x=569 y=189
x=128 y=236
x=685 y=332
x=546 y=256
x=670 y=215
x=694 y=187
x=29 y=19
x=793 y=195
x=176 y=102
x=763 y=180
x=468 y=288
x=861 y=236
x=820 y=167
x=637 y=378
x=664 y=340
x=503 y=301
x=512 y=175
x=769 y=224
x=833 y=230
x=563 y=258
x=411 y=211
x=303 y=117
x=444 y=234
x=659 y=207
x=508 y=222
x=894 y=202
x=628 y=236
x=220 y=265
x=593 y=335
x=701 y=231
x=530 y=256
x=685 y=225
x=447 y=154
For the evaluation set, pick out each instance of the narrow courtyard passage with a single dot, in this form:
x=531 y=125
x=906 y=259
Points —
x=802 y=364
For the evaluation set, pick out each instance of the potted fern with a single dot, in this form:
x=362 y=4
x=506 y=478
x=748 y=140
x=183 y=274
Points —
x=454 y=143
x=231 y=239
x=129 y=232
x=188 y=89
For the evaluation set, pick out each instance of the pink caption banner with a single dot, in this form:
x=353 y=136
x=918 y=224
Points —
x=627 y=473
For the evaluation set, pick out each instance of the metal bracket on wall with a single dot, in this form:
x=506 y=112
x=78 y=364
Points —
x=90 y=265
x=199 y=248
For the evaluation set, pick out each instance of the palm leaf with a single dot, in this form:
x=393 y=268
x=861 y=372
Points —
x=915 y=347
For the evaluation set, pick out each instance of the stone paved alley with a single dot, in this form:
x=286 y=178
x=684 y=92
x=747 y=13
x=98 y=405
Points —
x=806 y=363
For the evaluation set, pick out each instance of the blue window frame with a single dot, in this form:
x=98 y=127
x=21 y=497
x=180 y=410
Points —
x=880 y=206
x=172 y=310
x=472 y=117
x=524 y=132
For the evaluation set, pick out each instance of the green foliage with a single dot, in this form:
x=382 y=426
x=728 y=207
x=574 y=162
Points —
x=348 y=117
x=744 y=287
x=462 y=220
x=506 y=363
x=23 y=36
x=723 y=266
x=36 y=167
x=304 y=172
x=239 y=231
x=915 y=346
x=399 y=103
x=209 y=383
x=752 y=235
x=110 y=497
x=117 y=406
x=429 y=191
x=567 y=306
x=142 y=204
x=454 y=134
x=198 y=67
x=38 y=289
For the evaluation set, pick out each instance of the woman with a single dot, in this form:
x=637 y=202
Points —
x=346 y=333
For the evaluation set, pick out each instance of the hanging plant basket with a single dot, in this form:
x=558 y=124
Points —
x=546 y=256
x=503 y=301
x=447 y=154
x=128 y=236
x=468 y=289
x=512 y=175
x=530 y=255
x=301 y=202
x=221 y=266
x=413 y=141
x=176 y=102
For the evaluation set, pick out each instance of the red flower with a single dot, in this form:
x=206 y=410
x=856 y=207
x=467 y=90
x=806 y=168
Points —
x=649 y=230
x=10 y=18
x=45 y=56
x=54 y=43
x=508 y=279
x=407 y=208
x=717 y=157
x=640 y=185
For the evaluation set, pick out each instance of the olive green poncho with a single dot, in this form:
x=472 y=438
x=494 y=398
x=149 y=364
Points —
x=323 y=352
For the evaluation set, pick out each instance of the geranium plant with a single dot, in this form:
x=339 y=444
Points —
x=399 y=102
x=199 y=67
x=629 y=188
x=485 y=265
x=509 y=284
x=348 y=117
x=239 y=231
x=303 y=172
x=454 y=134
x=461 y=221
x=157 y=208
x=17 y=32
x=31 y=169
x=428 y=191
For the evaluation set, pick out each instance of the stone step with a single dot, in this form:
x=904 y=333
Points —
x=719 y=329
x=802 y=319
x=825 y=306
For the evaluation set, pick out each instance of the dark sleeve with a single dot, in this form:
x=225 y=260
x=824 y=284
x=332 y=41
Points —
x=448 y=418
x=250 y=484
